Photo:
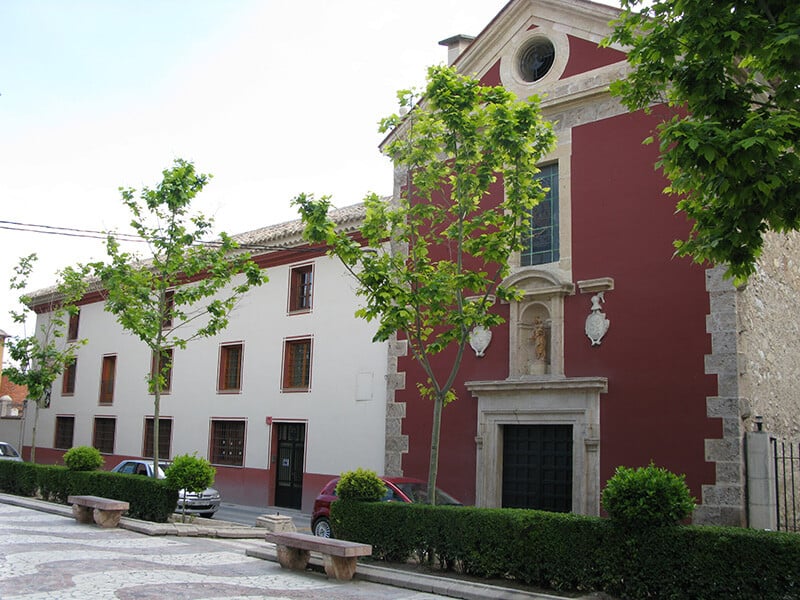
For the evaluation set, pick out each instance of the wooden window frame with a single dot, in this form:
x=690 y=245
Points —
x=290 y=348
x=164 y=445
x=226 y=445
x=59 y=441
x=169 y=297
x=225 y=383
x=73 y=326
x=108 y=376
x=96 y=442
x=170 y=356
x=68 y=378
x=301 y=288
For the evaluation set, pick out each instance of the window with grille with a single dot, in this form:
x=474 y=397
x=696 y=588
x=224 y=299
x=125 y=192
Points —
x=297 y=364
x=166 y=359
x=103 y=437
x=68 y=378
x=301 y=285
x=227 y=442
x=164 y=437
x=540 y=243
x=65 y=430
x=72 y=330
x=230 y=368
x=107 y=377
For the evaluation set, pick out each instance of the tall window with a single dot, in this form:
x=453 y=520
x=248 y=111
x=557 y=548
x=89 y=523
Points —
x=72 y=330
x=107 y=377
x=164 y=437
x=301 y=285
x=230 y=368
x=169 y=297
x=68 y=378
x=166 y=359
x=297 y=364
x=227 y=442
x=103 y=437
x=65 y=430
x=540 y=244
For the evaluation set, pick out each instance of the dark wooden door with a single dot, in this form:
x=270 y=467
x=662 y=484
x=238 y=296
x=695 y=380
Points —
x=289 y=471
x=537 y=467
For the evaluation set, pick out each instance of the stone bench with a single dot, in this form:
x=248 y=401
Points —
x=294 y=550
x=103 y=511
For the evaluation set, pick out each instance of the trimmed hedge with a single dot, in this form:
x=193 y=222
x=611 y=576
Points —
x=150 y=499
x=569 y=552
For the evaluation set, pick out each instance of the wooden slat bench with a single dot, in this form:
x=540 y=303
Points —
x=103 y=511
x=294 y=550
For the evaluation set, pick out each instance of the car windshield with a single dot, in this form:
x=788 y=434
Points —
x=418 y=492
x=6 y=450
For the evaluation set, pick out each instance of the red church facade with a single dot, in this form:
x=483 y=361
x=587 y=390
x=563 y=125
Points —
x=548 y=432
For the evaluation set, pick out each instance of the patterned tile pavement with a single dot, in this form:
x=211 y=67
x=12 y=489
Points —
x=52 y=557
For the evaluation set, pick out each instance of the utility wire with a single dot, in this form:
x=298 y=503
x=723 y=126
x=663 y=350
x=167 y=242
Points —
x=126 y=237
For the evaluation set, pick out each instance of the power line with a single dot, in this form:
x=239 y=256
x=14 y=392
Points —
x=126 y=237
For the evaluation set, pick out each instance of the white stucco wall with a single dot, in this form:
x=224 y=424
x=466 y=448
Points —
x=342 y=431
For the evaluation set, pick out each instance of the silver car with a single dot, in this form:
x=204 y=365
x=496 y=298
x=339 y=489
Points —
x=8 y=452
x=204 y=503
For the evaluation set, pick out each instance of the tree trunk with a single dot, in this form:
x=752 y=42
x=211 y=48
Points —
x=436 y=428
x=33 y=434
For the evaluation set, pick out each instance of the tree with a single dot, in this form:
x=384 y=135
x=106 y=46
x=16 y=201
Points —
x=185 y=289
x=453 y=145
x=189 y=474
x=39 y=359
x=731 y=69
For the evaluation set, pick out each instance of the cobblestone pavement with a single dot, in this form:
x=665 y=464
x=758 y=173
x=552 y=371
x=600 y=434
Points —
x=51 y=557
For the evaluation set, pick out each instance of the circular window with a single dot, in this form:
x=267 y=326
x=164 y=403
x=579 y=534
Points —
x=535 y=59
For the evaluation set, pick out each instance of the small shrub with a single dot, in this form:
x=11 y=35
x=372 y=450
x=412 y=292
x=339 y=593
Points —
x=190 y=473
x=361 y=485
x=647 y=497
x=83 y=458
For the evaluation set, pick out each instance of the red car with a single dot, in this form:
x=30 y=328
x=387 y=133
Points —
x=398 y=489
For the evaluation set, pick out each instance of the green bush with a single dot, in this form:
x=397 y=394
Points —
x=577 y=553
x=149 y=499
x=360 y=485
x=647 y=497
x=190 y=473
x=83 y=458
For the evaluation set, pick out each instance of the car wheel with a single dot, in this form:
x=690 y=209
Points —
x=322 y=528
x=207 y=515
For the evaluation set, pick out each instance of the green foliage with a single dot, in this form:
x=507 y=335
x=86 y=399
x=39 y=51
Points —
x=83 y=458
x=149 y=499
x=360 y=485
x=578 y=554
x=647 y=497
x=732 y=70
x=188 y=285
x=191 y=473
x=454 y=144
x=39 y=359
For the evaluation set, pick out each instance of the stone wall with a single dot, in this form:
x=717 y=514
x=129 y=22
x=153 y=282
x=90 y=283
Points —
x=769 y=337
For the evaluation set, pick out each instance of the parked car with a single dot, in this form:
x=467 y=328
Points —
x=8 y=452
x=398 y=489
x=205 y=503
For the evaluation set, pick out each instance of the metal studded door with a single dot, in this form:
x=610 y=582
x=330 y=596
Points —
x=289 y=470
x=537 y=467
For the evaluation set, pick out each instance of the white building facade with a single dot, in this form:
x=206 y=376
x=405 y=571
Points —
x=290 y=394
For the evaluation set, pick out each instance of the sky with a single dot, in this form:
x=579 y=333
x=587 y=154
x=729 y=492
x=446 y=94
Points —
x=273 y=98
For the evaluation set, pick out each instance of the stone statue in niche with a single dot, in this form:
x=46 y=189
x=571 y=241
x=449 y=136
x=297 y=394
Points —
x=596 y=323
x=538 y=365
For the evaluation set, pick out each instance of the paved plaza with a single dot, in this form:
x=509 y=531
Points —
x=47 y=556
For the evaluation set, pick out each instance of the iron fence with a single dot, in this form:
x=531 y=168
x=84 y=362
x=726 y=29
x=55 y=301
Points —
x=787 y=483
